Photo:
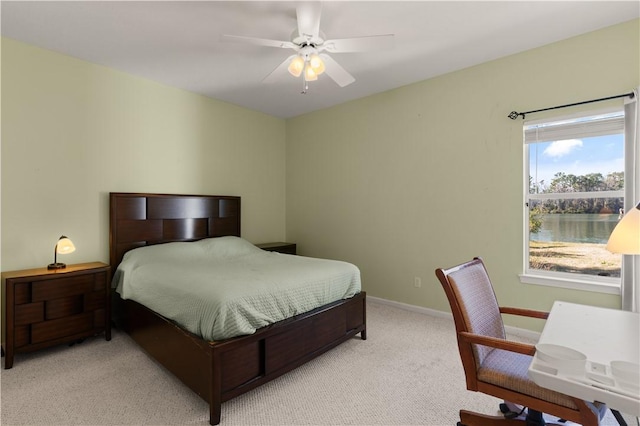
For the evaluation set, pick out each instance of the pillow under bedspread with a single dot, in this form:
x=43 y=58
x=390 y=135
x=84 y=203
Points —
x=225 y=287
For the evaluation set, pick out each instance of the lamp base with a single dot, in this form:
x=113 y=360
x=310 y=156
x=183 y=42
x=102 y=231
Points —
x=56 y=266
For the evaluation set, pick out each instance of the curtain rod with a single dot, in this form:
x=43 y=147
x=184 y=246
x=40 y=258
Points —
x=513 y=114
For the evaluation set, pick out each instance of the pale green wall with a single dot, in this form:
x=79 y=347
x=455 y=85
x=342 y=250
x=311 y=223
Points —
x=73 y=131
x=430 y=175
x=399 y=183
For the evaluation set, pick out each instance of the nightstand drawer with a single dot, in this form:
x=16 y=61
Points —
x=50 y=330
x=64 y=307
x=22 y=293
x=94 y=301
x=54 y=289
x=29 y=313
x=22 y=336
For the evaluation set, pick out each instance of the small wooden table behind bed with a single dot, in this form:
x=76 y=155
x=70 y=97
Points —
x=221 y=370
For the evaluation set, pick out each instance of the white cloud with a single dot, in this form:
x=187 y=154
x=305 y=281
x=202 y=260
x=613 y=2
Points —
x=561 y=148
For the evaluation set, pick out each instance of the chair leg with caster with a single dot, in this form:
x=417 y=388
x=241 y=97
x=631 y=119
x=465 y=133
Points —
x=510 y=410
x=534 y=418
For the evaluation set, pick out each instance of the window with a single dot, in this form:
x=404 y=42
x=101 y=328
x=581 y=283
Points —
x=574 y=196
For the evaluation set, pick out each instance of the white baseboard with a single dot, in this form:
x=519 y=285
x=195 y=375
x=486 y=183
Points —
x=413 y=308
x=515 y=331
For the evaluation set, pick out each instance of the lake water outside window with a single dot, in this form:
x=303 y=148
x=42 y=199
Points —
x=575 y=194
x=574 y=243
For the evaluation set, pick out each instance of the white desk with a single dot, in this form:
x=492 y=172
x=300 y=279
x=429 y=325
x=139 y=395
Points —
x=603 y=335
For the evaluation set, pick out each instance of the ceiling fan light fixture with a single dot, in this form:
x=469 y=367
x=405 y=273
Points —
x=296 y=66
x=316 y=63
x=309 y=73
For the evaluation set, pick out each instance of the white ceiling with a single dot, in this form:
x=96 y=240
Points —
x=178 y=42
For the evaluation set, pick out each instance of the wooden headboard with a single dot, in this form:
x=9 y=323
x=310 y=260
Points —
x=139 y=219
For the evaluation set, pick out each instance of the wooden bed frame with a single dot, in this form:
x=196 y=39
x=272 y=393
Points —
x=221 y=370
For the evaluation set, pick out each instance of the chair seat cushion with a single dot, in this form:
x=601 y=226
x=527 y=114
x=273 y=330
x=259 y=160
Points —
x=510 y=370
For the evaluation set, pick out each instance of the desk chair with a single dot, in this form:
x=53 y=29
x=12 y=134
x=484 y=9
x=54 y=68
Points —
x=494 y=365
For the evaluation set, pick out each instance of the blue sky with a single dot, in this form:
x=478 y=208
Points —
x=601 y=154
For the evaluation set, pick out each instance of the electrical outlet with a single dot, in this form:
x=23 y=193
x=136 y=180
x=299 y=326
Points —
x=417 y=282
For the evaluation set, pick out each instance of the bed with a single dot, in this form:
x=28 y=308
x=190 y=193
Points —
x=223 y=368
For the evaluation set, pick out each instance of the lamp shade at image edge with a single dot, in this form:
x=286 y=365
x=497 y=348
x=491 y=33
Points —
x=625 y=238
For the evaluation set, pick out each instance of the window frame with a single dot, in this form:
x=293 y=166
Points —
x=600 y=284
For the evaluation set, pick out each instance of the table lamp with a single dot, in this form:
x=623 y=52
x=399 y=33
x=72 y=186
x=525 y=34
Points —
x=63 y=246
x=625 y=238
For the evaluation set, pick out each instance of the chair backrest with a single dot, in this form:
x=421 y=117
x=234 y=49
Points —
x=475 y=309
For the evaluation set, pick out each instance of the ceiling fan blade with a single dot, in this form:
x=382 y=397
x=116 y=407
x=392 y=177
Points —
x=279 y=71
x=308 y=13
x=258 y=41
x=359 y=44
x=336 y=72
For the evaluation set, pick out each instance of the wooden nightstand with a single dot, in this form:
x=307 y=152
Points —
x=44 y=307
x=286 y=248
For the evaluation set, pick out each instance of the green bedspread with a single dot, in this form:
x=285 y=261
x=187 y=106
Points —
x=224 y=287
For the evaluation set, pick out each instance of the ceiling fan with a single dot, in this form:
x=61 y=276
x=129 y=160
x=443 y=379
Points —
x=309 y=45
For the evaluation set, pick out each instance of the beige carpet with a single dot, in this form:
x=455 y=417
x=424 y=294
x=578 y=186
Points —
x=407 y=372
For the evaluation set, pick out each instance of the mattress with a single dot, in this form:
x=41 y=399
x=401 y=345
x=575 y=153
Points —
x=218 y=288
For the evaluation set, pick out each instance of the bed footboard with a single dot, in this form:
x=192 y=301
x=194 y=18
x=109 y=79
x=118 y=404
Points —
x=220 y=371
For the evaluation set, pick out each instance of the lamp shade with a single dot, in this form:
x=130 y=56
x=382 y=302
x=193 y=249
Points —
x=310 y=74
x=316 y=63
x=296 y=66
x=625 y=238
x=65 y=246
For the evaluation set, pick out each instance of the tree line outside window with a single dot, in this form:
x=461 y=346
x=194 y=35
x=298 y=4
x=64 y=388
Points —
x=563 y=183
